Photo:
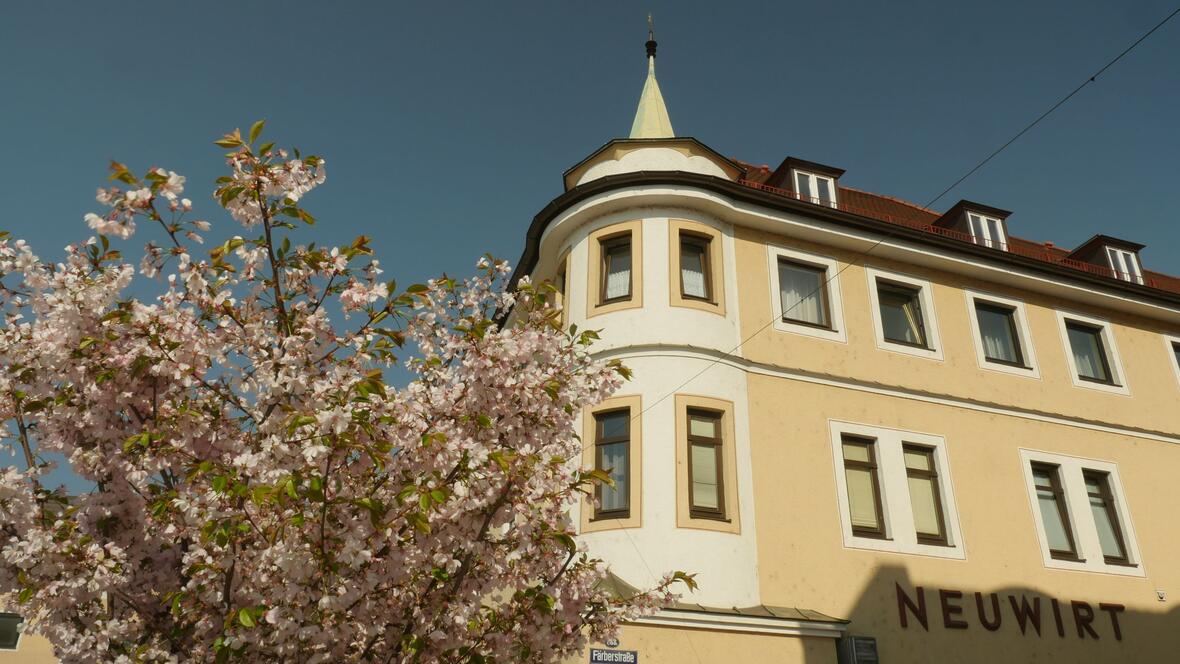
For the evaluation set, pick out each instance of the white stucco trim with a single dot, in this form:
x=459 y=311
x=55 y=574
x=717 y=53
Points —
x=849 y=384
x=933 y=349
x=1170 y=341
x=900 y=535
x=1118 y=375
x=1080 y=518
x=835 y=302
x=750 y=624
x=1023 y=333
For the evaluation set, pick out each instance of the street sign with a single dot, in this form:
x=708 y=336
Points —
x=613 y=656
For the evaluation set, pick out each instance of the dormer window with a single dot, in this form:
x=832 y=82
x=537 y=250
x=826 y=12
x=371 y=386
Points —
x=1125 y=264
x=988 y=231
x=819 y=189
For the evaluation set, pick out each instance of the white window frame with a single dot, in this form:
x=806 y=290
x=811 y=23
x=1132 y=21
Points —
x=835 y=307
x=929 y=318
x=1125 y=265
x=1119 y=376
x=1081 y=520
x=812 y=194
x=900 y=534
x=1023 y=333
x=1169 y=341
x=988 y=225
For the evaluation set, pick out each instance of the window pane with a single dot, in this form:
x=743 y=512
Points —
x=996 y=329
x=976 y=224
x=801 y=292
x=1088 y=354
x=922 y=499
x=862 y=498
x=917 y=459
x=1176 y=352
x=615 y=424
x=825 y=190
x=692 y=269
x=803 y=184
x=704 y=477
x=856 y=452
x=1056 y=530
x=614 y=459
x=1103 y=513
x=700 y=425
x=618 y=275
x=9 y=630
x=996 y=232
x=901 y=315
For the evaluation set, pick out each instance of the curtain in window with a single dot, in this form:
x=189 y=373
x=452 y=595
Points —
x=995 y=329
x=618 y=276
x=801 y=293
x=692 y=270
x=862 y=499
x=1056 y=529
x=1087 y=353
x=614 y=457
x=704 y=477
x=913 y=320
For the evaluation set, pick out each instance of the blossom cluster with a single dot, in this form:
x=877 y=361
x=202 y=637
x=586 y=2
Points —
x=260 y=492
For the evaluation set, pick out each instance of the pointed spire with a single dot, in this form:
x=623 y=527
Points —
x=651 y=118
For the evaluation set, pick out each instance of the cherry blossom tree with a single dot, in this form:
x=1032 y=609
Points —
x=260 y=492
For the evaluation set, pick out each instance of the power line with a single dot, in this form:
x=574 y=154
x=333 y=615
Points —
x=860 y=257
x=1054 y=107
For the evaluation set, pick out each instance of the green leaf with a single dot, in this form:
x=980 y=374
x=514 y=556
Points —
x=256 y=130
x=245 y=618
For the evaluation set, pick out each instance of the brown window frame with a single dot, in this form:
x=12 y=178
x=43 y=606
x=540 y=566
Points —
x=601 y=441
x=1054 y=473
x=915 y=294
x=1103 y=353
x=1009 y=311
x=695 y=512
x=822 y=270
x=605 y=245
x=1107 y=496
x=936 y=488
x=874 y=474
x=705 y=244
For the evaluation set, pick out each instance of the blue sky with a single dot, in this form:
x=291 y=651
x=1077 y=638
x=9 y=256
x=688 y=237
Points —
x=447 y=127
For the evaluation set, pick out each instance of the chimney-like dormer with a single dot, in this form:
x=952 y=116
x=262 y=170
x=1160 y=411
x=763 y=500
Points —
x=984 y=224
x=1121 y=257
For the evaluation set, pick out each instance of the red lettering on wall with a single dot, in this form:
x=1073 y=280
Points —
x=949 y=610
x=1114 y=610
x=993 y=624
x=1026 y=614
x=1083 y=615
x=919 y=609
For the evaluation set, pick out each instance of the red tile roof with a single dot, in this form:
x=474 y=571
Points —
x=896 y=211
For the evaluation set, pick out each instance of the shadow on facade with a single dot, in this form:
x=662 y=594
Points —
x=921 y=622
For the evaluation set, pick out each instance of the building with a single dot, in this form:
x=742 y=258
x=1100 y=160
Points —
x=869 y=428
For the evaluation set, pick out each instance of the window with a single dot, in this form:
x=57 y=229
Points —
x=1002 y=339
x=612 y=442
x=997 y=329
x=1176 y=353
x=616 y=269
x=901 y=314
x=818 y=189
x=694 y=267
x=1106 y=521
x=894 y=491
x=707 y=492
x=988 y=231
x=1172 y=345
x=803 y=293
x=561 y=283
x=864 y=492
x=925 y=501
x=10 y=630
x=1089 y=355
x=706 y=444
x=1125 y=264
x=1054 y=513
x=1080 y=514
